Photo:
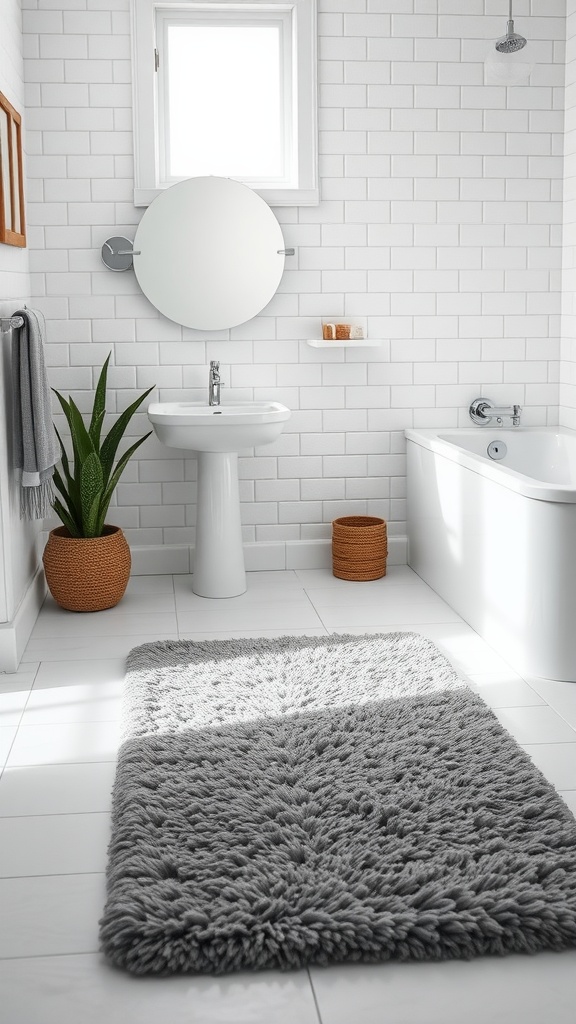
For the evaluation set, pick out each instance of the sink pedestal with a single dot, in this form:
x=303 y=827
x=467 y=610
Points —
x=219 y=556
x=217 y=434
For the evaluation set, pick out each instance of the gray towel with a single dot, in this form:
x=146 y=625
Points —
x=36 y=450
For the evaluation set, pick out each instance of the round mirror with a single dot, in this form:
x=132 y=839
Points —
x=207 y=253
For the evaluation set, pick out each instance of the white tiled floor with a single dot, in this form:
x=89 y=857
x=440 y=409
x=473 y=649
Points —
x=58 y=740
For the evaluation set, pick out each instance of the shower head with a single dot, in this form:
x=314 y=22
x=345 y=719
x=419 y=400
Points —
x=511 y=42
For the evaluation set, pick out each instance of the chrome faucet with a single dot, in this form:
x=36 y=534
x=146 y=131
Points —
x=214 y=383
x=483 y=411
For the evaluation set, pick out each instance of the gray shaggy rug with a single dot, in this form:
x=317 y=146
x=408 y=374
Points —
x=312 y=800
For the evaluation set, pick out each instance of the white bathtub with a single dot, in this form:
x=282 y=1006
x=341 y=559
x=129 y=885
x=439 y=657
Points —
x=497 y=539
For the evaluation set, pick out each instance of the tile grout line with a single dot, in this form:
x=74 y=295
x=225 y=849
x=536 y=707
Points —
x=50 y=814
x=54 y=874
x=18 y=725
x=314 y=996
x=42 y=956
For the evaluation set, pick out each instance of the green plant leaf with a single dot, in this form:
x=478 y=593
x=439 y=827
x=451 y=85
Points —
x=116 y=433
x=73 y=513
x=71 y=491
x=99 y=407
x=91 y=524
x=96 y=429
x=91 y=488
x=65 y=518
x=110 y=487
x=63 y=403
x=83 y=444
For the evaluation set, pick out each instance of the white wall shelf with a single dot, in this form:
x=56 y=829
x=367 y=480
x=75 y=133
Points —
x=346 y=343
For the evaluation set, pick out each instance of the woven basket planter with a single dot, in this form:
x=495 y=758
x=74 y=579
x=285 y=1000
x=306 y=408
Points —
x=87 y=574
x=359 y=548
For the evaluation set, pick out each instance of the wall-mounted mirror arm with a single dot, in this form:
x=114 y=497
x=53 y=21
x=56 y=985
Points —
x=111 y=252
x=117 y=253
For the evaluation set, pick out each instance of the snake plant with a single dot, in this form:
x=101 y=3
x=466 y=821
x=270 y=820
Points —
x=86 y=487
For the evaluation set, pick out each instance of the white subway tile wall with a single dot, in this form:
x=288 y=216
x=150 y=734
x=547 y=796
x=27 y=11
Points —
x=440 y=222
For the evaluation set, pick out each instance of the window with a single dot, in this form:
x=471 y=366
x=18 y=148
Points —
x=227 y=89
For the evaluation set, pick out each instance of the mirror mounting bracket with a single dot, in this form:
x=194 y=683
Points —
x=117 y=253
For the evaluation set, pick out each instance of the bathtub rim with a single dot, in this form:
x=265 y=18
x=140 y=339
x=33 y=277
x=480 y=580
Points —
x=530 y=487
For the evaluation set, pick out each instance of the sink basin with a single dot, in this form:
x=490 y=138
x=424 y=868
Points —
x=217 y=433
x=217 y=428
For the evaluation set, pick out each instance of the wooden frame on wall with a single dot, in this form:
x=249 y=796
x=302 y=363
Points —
x=12 y=225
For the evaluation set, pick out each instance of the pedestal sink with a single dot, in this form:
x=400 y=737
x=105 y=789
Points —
x=217 y=434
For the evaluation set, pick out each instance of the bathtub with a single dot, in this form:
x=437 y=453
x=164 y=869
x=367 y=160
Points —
x=496 y=537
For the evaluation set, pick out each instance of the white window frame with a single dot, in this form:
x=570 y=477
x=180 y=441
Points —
x=300 y=78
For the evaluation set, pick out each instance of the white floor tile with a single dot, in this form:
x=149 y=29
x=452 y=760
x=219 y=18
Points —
x=404 y=597
x=7 y=737
x=467 y=651
x=398 y=604
x=535 y=725
x=232 y=634
x=76 y=691
x=85 y=648
x=12 y=704
x=295 y=614
x=54 y=844
x=49 y=914
x=507 y=990
x=69 y=989
x=103 y=624
x=567 y=712
x=57 y=788
x=21 y=679
x=14 y=692
x=261 y=594
x=505 y=690
x=315 y=579
x=276 y=578
x=149 y=585
x=65 y=744
x=554 y=691
x=557 y=761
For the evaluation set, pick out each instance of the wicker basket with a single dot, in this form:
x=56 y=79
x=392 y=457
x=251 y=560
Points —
x=359 y=548
x=87 y=574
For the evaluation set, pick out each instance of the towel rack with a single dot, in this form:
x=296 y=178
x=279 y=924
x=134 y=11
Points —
x=7 y=323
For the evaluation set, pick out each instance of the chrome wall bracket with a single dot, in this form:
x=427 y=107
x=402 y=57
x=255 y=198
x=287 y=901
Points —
x=117 y=253
x=9 y=323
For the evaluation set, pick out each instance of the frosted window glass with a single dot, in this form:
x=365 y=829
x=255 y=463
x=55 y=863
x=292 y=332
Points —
x=224 y=101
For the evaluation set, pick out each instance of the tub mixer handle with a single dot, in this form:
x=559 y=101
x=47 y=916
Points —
x=483 y=411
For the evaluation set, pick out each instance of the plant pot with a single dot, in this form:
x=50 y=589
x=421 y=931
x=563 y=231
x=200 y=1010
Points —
x=87 y=574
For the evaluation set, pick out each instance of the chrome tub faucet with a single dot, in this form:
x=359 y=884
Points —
x=483 y=411
x=214 y=383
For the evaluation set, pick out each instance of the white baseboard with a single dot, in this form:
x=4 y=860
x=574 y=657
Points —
x=14 y=635
x=155 y=560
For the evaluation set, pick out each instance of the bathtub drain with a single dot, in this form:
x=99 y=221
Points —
x=496 y=450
